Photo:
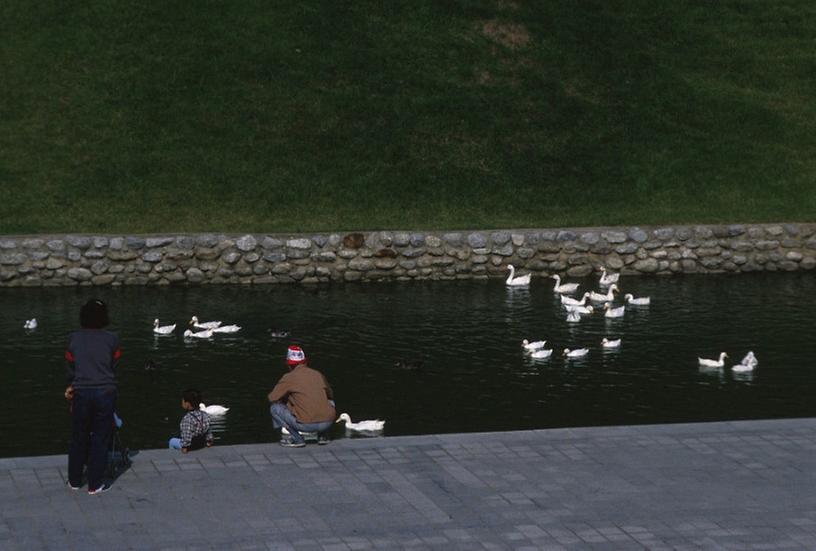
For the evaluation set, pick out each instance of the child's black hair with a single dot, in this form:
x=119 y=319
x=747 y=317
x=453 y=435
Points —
x=192 y=396
x=94 y=314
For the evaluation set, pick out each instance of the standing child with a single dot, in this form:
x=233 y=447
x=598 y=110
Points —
x=195 y=425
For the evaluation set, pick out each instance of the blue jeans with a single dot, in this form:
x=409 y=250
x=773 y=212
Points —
x=174 y=443
x=282 y=417
x=91 y=430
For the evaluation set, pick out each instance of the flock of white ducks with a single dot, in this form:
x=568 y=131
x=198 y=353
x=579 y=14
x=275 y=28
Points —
x=205 y=330
x=576 y=308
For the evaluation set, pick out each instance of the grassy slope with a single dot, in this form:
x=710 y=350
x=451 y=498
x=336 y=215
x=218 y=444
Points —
x=298 y=116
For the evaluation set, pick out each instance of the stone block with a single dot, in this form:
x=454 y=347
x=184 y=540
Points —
x=103 y=279
x=132 y=242
x=476 y=241
x=298 y=253
x=326 y=256
x=433 y=241
x=154 y=242
x=246 y=243
x=152 y=256
x=59 y=245
x=194 y=275
x=360 y=264
x=79 y=241
x=385 y=263
x=580 y=271
x=355 y=239
x=413 y=252
x=614 y=262
x=664 y=234
x=12 y=259
x=549 y=247
x=504 y=250
x=638 y=235
x=79 y=274
x=454 y=239
x=648 y=265
x=500 y=237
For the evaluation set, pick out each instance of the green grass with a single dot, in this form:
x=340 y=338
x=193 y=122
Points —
x=309 y=116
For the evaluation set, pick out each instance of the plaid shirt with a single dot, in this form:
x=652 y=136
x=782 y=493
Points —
x=195 y=424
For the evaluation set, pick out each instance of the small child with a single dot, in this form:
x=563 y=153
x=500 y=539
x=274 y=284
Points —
x=195 y=425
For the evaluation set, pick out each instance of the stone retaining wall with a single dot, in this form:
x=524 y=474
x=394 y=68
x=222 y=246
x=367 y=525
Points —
x=35 y=261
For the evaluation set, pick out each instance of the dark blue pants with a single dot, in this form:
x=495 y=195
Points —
x=91 y=429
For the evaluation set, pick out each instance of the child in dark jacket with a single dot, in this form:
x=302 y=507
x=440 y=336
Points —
x=195 y=425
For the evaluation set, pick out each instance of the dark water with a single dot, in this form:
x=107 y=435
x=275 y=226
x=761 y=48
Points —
x=475 y=376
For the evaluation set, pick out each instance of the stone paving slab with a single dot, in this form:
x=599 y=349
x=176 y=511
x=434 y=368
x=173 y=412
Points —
x=731 y=485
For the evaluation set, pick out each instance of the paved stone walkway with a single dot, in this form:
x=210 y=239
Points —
x=734 y=485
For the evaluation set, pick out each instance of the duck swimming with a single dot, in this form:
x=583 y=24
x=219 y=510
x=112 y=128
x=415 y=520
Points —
x=516 y=281
x=409 y=365
x=608 y=279
x=163 y=330
x=713 y=363
x=566 y=288
x=204 y=325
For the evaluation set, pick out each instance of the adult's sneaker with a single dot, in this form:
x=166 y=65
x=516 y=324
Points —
x=287 y=443
x=99 y=490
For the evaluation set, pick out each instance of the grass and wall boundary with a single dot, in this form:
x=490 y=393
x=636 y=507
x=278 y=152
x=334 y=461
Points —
x=87 y=260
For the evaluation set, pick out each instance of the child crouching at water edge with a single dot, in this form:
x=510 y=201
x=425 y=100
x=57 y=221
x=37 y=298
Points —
x=195 y=425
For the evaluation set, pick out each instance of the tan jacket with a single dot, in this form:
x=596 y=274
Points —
x=307 y=394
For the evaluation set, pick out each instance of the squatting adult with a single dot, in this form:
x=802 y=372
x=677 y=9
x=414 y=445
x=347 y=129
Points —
x=92 y=355
x=302 y=401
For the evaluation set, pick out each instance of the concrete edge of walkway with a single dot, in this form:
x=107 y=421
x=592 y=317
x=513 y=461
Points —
x=555 y=434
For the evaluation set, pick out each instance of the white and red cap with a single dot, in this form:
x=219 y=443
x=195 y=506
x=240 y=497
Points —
x=295 y=355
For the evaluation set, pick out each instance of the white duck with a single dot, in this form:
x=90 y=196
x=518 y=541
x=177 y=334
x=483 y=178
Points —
x=573 y=317
x=584 y=310
x=713 y=363
x=30 y=324
x=204 y=325
x=213 y=409
x=164 y=329
x=601 y=297
x=541 y=353
x=513 y=281
x=569 y=301
x=532 y=346
x=566 y=288
x=577 y=353
x=371 y=425
x=612 y=312
x=608 y=279
x=748 y=363
x=206 y=334
x=226 y=329
x=641 y=301
x=610 y=343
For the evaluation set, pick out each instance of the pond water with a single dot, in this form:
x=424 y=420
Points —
x=475 y=376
